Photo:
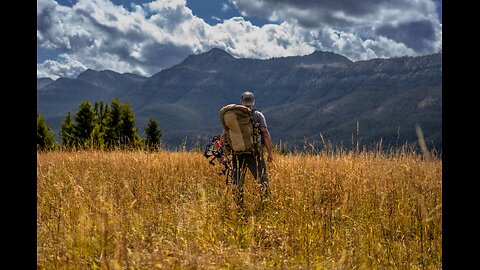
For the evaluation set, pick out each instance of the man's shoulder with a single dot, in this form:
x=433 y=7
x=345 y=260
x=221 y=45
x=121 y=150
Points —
x=258 y=112
x=258 y=117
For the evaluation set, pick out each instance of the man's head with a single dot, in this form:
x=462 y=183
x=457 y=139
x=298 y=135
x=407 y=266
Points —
x=248 y=99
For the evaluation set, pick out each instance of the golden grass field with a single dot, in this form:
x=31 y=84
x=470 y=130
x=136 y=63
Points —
x=170 y=210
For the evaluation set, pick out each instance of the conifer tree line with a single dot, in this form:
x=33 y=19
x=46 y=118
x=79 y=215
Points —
x=101 y=126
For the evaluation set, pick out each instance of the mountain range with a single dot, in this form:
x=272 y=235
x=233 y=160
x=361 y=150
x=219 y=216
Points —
x=304 y=98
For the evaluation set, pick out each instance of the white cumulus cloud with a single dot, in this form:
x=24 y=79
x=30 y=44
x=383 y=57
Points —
x=100 y=35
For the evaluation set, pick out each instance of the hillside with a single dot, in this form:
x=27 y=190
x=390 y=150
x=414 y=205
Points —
x=42 y=82
x=301 y=97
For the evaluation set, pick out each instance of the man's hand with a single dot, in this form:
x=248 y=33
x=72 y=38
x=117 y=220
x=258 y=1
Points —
x=268 y=143
x=270 y=157
x=222 y=159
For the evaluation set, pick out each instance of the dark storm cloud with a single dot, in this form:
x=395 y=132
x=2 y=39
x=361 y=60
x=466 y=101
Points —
x=44 y=18
x=414 y=23
x=350 y=7
x=46 y=21
x=168 y=54
x=311 y=13
x=416 y=35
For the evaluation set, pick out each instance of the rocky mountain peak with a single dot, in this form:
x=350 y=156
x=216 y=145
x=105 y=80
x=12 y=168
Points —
x=325 y=58
x=209 y=59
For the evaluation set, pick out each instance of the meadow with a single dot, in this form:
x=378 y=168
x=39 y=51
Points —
x=171 y=210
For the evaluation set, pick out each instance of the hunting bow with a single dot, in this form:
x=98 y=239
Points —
x=215 y=150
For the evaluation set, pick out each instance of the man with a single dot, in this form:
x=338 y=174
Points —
x=254 y=161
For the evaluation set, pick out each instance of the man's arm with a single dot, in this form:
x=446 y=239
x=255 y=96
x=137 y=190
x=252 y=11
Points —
x=223 y=137
x=268 y=143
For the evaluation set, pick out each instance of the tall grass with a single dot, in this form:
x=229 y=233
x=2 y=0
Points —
x=170 y=210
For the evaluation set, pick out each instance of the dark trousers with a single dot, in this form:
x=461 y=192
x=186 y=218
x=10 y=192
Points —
x=256 y=164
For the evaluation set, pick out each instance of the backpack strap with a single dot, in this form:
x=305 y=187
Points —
x=257 y=139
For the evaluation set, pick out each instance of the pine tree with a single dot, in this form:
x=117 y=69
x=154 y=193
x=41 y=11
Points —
x=103 y=113
x=67 y=132
x=127 y=128
x=85 y=119
x=101 y=126
x=45 y=135
x=153 y=134
x=98 y=132
x=113 y=124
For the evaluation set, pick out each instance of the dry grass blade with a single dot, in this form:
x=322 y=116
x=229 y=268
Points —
x=170 y=210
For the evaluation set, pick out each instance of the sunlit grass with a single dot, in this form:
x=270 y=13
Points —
x=170 y=210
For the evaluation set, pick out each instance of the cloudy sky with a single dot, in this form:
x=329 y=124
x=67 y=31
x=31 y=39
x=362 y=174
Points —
x=146 y=36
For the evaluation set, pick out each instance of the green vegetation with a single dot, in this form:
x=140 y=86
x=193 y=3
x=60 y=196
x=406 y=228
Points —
x=153 y=134
x=99 y=127
x=45 y=135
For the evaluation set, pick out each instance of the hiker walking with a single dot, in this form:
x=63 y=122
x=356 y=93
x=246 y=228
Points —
x=246 y=133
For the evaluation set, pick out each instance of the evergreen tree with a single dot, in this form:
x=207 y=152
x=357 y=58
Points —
x=102 y=113
x=45 y=135
x=120 y=125
x=127 y=127
x=86 y=120
x=101 y=126
x=98 y=132
x=153 y=134
x=67 y=132
x=113 y=123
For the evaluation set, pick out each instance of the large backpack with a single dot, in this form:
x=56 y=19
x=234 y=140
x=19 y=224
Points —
x=242 y=134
